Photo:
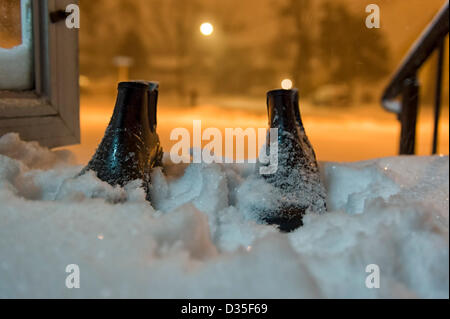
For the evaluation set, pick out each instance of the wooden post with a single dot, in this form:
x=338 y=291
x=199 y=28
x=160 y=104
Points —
x=123 y=64
x=123 y=73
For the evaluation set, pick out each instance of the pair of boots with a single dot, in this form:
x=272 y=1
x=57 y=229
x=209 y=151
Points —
x=130 y=149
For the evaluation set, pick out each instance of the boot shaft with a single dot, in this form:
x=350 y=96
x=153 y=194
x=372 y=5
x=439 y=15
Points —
x=130 y=146
x=135 y=106
x=281 y=110
x=295 y=103
x=294 y=148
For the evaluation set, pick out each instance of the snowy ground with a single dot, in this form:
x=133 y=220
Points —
x=198 y=240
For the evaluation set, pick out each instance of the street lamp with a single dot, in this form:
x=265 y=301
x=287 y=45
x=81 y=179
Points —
x=286 y=84
x=206 y=29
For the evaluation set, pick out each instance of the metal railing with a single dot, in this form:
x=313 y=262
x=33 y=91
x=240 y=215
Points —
x=404 y=82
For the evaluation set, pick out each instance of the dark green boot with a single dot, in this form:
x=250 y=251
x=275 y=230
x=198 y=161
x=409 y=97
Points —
x=130 y=147
x=296 y=181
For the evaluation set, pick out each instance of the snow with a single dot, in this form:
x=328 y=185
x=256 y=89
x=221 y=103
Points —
x=16 y=63
x=199 y=239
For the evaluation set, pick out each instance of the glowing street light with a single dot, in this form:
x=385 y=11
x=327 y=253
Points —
x=206 y=29
x=286 y=84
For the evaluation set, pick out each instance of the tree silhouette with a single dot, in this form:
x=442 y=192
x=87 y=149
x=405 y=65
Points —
x=348 y=49
x=131 y=45
x=333 y=47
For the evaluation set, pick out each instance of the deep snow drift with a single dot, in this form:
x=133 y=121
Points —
x=198 y=239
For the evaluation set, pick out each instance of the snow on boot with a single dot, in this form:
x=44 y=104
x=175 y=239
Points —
x=130 y=147
x=297 y=185
x=308 y=147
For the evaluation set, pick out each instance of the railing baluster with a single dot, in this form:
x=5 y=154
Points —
x=437 y=104
x=404 y=81
x=408 y=115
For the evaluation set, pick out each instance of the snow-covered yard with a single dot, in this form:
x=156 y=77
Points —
x=198 y=240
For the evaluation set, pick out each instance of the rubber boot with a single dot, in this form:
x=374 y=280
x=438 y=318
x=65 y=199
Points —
x=297 y=183
x=309 y=149
x=130 y=147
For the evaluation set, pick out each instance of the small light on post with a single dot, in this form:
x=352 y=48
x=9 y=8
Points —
x=286 y=84
x=206 y=29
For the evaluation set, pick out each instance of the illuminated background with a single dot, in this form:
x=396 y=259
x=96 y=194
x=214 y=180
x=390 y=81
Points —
x=215 y=60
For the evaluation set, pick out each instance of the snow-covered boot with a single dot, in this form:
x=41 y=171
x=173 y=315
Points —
x=130 y=147
x=298 y=118
x=297 y=185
